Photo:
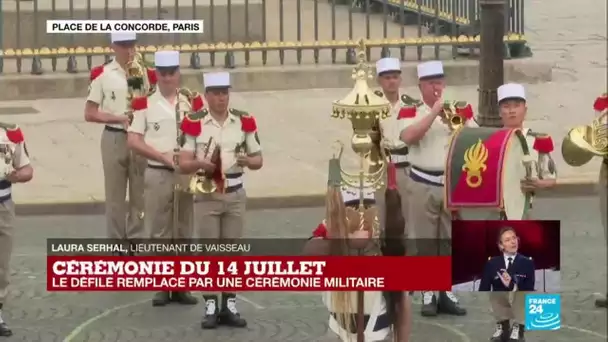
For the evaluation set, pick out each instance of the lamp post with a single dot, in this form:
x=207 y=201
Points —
x=491 y=63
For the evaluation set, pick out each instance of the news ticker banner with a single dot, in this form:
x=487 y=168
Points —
x=257 y=247
x=135 y=26
x=247 y=273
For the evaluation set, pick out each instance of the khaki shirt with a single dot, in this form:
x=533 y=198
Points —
x=157 y=123
x=431 y=152
x=12 y=156
x=228 y=136
x=110 y=90
x=545 y=165
x=390 y=127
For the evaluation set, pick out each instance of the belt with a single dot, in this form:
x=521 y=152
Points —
x=5 y=190
x=435 y=178
x=382 y=322
x=232 y=181
x=402 y=165
x=114 y=129
x=161 y=167
x=234 y=188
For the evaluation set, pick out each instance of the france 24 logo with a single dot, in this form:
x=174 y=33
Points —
x=543 y=312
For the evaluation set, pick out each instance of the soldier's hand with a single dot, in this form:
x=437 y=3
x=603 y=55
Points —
x=168 y=160
x=13 y=177
x=124 y=120
x=529 y=185
x=242 y=161
x=438 y=106
x=206 y=165
x=504 y=276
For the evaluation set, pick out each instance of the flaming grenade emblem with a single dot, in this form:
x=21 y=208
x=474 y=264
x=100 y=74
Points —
x=475 y=163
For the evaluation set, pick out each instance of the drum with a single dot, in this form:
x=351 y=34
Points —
x=484 y=169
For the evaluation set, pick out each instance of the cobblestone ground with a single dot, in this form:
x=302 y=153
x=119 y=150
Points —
x=36 y=315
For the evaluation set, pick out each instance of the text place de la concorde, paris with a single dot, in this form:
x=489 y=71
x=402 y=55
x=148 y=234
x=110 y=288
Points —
x=137 y=26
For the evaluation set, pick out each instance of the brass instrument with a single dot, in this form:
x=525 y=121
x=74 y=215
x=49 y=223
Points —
x=202 y=182
x=364 y=109
x=6 y=157
x=137 y=82
x=582 y=143
x=450 y=116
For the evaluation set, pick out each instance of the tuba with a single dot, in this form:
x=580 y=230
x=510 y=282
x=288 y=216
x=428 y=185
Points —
x=582 y=143
x=137 y=81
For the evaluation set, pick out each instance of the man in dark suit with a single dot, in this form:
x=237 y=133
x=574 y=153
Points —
x=508 y=276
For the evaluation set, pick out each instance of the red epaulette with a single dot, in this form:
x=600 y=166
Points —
x=152 y=76
x=15 y=135
x=465 y=112
x=248 y=124
x=96 y=72
x=190 y=126
x=139 y=103
x=543 y=144
x=601 y=103
x=407 y=112
x=197 y=103
x=320 y=231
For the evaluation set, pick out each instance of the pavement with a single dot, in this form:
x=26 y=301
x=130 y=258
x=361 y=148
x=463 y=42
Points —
x=37 y=315
x=298 y=137
x=296 y=131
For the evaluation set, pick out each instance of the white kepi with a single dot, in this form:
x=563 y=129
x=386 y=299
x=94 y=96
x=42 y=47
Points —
x=430 y=70
x=511 y=91
x=217 y=80
x=387 y=65
x=166 y=59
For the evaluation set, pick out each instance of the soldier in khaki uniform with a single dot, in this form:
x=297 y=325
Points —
x=389 y=79
x=153 y=134
x=107 y=104
x=427 y=138
x=16 y=168
x=601 y=106
x=219 y=215
x=513 y=110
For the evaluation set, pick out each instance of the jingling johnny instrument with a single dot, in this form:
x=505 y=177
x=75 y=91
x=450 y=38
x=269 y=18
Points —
x=484 y=170
x=582 y=143
x=364 y=109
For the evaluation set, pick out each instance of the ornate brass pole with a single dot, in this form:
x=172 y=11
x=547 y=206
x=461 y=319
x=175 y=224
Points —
x=364 y=109
x=491 y=63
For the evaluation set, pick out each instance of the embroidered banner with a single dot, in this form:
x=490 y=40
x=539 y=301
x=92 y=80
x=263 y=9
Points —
x=474 y=170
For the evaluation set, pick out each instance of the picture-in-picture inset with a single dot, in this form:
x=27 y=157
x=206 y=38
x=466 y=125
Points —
x=506 y=256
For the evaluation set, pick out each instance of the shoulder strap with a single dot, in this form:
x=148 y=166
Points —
x=410 y=101
x=201 y=114
x=7 y=126
x=238 y=112
x=536 y=134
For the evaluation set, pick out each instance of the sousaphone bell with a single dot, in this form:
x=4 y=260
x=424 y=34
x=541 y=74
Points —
x=582 y=143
